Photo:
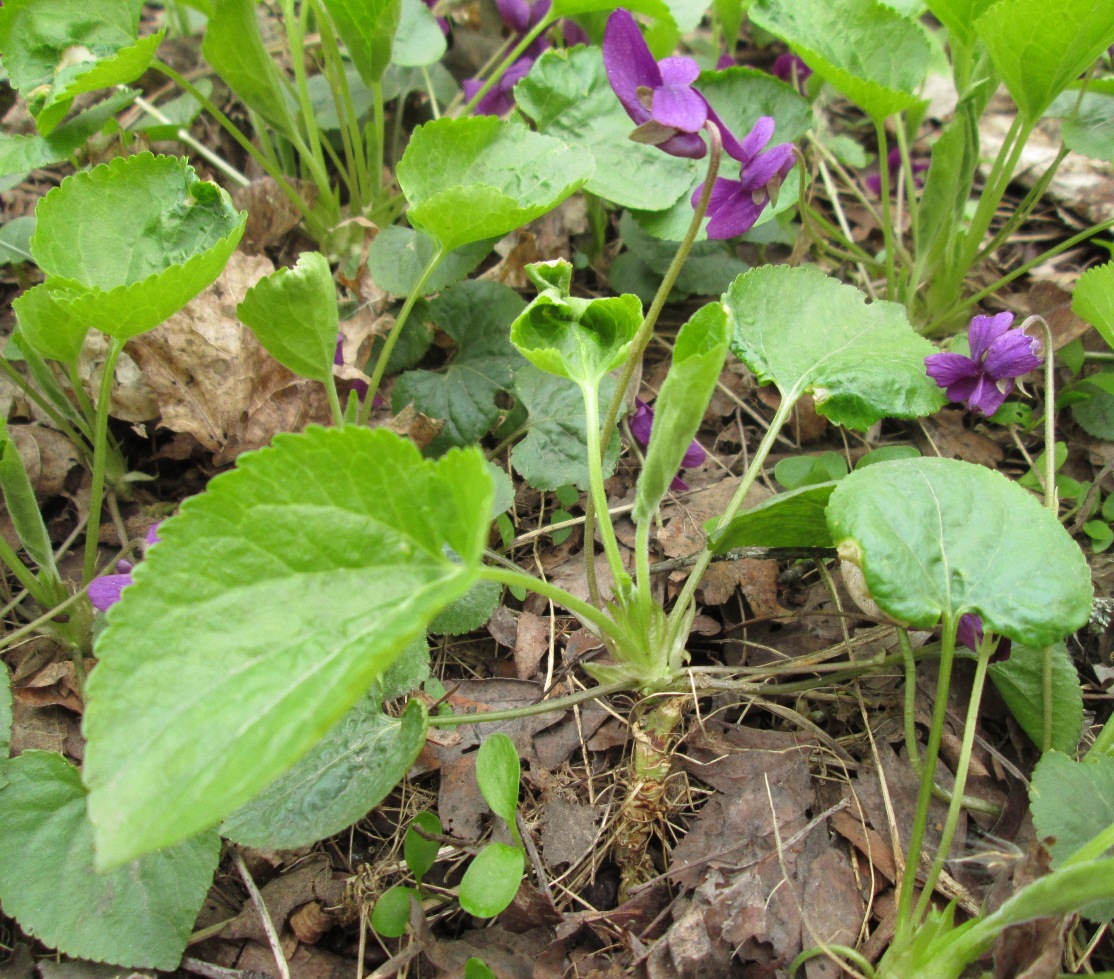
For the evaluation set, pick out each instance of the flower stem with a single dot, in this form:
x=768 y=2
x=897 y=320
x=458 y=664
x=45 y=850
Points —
x=887 y=214
x=392 y=337
x=598 y=494
x=100 y=449
x=516 y=52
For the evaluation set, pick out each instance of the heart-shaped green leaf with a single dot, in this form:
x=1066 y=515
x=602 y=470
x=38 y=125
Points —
x=346 y=774
x=581 y=339
x=1093 y=299
x=698 y=358
x=936 y=538
x=492 y=880
x=54 y=50
x=1039 y=49
x=498 y=774
x=49 y=326
x=1020 y=681
x=277 y=595
x=808 y=333
x=567 y=94
x=129 y=243
x=293 y=313
x=139 y=915
x=865 y=49
x=794 y=519
x=367 y=28
x=479 y=177
x=477 y=315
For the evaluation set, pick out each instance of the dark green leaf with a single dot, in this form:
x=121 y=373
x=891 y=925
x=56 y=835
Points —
x=492 y=880
x=793 y=519
x=477 y=315
x=346 y=774
x=469 y=612
x=1020 y=681
x=476 y=178
x=808 y=333
x=937 y=538
x=554 y=451
x=139 y=915
x=293 y=313
x=698 y=358
x=421 y=854
x=280 y=594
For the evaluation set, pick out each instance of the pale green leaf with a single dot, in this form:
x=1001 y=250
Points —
x=1039 y=48
x=698 y=357
x=129 y=243
x=937 y=538
x=280 y=594
x=391 y=913
x=1093 y=299
x=139 y=915
x=498 y=774
x=50 y=327
x=293 y=313
x=808 y=333
x=1020 y=681
x=865 y=49
x=397 y=257
x=479 y=177
x=477 y=315
x=492 y=880
x=367 y=28
x=418 y=40
x=793 y=519
x=346 y=774
x=567 y=94
x=15 y=240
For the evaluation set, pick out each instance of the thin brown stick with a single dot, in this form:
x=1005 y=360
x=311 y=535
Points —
x=264 y=915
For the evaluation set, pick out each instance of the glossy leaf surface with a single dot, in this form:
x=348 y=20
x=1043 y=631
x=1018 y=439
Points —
x=139 y=915
x=280 y=594
x=938 y=538
x=476 y=178
x=808 y=333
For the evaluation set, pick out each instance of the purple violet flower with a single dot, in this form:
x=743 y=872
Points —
x=969 y=632
x=642 y=423
x=735 y=205
x=358 y=384
x=998 y=355
x=499 y=99
x=790 y=68
x=105 y=589
x=657 y=95
x=725 y=61
x=873 y=180
x=573 y=34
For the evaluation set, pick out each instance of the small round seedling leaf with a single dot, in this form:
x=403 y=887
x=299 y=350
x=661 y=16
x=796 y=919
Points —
x=345 y=775
x=279 y=594
x=499 y=773
x=1020 y=681
x=492 y=880
x=808 y=333
x=937 y=538
x=139 y=915
x=794 y=519
x=477 y=969
x=476 y=178
x=391 y=914
x=293 y=313
x=127 y=244
x=863 y=48
x=421 y=854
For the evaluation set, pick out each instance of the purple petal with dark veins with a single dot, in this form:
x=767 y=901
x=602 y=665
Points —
x=104 y=591
x=1011 y=355
x=680 y=107
x=988 y=396
x=733 y=210
x=628 y=63
x=776 y=162
x=755 y=141
x=984 y=330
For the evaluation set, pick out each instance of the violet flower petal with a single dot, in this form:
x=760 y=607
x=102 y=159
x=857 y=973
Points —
x=725 y=61
x=642 y=421
x=948 y=368
x=628 y=63
x=104 y=591
x=680 y=107
x=1012 y=355
x=969 y=631
x=678 y=485
x=678 y=71
x=984 y=330
x=774 y=163
x=687 y=145
x=787 y=64
x=573 y=33
x=989 y=396
x=694 y=455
